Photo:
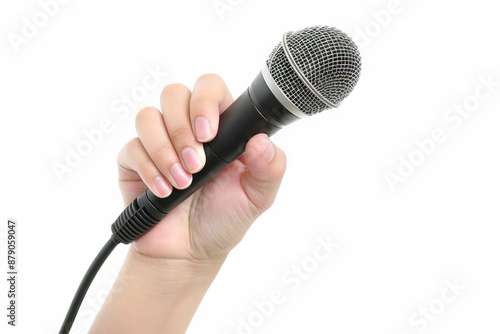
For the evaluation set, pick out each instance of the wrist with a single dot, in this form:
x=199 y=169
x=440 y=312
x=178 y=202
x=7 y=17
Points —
x=168 y=277
x=162 y=289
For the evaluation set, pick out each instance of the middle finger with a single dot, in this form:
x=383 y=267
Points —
x=175 y=100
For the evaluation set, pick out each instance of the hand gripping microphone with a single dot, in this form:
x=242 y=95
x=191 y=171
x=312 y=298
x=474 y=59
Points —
x=309 y=71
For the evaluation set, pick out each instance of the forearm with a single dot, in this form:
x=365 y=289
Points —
x=155 y=295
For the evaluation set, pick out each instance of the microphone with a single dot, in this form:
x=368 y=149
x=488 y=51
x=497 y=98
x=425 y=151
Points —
x=309 y=71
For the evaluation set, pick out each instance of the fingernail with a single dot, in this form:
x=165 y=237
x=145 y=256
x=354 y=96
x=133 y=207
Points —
x=191 y=159
x=162 y=186
x=202 y=128
x=268 y=152
x=181 y=178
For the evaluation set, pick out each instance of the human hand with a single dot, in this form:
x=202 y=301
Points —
x=168 y=150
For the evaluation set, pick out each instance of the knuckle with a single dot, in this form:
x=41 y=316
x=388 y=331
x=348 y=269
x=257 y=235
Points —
x=210 y=77
x=164 y=155
x=131 y=146
x=127 y=155
x=174 y=90
x=203 y=105
x=181 y=135
x=143 y=166
x=144 y=114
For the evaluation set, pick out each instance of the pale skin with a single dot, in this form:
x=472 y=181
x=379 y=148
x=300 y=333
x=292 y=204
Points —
x=168 y=270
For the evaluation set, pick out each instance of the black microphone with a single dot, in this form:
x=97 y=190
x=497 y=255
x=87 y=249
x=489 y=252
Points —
x=309 y=71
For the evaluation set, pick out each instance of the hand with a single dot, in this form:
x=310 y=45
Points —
x=169 y=150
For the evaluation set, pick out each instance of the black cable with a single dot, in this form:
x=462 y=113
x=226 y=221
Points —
x=85 y=283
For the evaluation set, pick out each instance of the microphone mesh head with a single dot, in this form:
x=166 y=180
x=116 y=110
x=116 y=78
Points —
x=329 y=60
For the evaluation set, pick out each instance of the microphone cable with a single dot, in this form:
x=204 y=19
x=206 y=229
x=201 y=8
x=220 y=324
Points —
x=85 y=284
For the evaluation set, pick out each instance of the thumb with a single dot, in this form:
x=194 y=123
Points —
x=266 y=166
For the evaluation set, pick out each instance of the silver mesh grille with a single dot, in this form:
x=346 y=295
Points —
x=327 y=58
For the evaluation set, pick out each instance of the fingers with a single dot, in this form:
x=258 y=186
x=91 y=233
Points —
x=133 y=158
x=266 y=166
x=209 y=99
x=175 y=100
x=169 y=148
x=154 y=137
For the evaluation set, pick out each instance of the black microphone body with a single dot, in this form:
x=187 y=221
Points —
x=256 y=111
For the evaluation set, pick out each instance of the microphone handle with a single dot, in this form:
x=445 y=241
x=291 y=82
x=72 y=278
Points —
x=256 y=111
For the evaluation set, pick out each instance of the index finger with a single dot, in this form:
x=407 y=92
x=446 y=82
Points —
x=210 y=97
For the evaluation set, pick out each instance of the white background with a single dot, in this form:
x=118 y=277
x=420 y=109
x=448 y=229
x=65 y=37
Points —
x=398 y=247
